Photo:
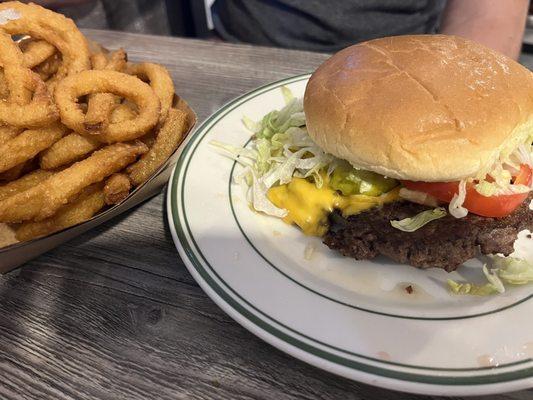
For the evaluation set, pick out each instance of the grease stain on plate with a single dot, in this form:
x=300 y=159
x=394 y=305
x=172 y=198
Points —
x=383 y=355
x=309 y=251
x=528 y=349
x=486 y=360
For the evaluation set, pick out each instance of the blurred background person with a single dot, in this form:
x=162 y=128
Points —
x=332 y=25
x=316 y=25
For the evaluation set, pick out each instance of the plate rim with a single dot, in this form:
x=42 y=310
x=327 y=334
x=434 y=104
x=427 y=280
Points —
x=398 y=380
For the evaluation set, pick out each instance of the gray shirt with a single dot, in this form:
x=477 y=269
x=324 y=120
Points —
x=322 y=25
x=145 y=16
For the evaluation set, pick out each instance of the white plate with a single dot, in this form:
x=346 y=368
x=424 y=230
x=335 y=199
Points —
x=352 y=318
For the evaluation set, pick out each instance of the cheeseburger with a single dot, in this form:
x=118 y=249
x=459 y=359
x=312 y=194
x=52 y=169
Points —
x=417 y=148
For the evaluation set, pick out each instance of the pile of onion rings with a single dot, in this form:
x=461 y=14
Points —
x=80 y=126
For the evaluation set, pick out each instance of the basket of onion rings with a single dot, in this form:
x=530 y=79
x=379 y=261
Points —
x=85 y=134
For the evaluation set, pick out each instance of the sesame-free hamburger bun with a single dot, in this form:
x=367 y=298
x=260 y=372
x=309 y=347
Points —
x=431 y=108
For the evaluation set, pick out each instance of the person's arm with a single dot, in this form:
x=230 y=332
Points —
x=495 y=23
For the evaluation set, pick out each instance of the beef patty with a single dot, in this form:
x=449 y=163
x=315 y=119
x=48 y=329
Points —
x=443 y=243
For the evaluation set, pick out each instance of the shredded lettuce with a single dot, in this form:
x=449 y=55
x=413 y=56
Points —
x=510 y=270
x=493 y=286
x=489 y=189
x=278 y=121
x=525 y=154
x=281 y=149
x=287 y=94
x=456 y=205
x=499 y=179
x=419 y=220
x=250 y=124
x=515 y=271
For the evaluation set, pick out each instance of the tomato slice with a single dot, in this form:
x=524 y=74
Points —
x=495 y=206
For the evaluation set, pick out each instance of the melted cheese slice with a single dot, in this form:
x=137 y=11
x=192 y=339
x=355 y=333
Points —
x=309 y=207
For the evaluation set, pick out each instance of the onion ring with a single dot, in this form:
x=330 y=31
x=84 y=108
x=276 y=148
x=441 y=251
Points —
x=90 y=201
x=12 y=60
x=7 y=133
x=13 y=173
x=117 y=188
x=123 y=112
x=99 y=60
x=99 y=108
x=49 y=67
x=114 y=61
x=4 y=90
x=45 y=199
x=56 y=29
x=24 y=183
x=100 y=105
x=65 y=151
x=28 y=144
x=166 y=142
x=159 y=80
x=75 y=146
x=39 y=112
x=20 y=109
x=36 y=52
x=90 y=82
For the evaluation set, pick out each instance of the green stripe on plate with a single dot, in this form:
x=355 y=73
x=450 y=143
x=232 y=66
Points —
x=262 y=320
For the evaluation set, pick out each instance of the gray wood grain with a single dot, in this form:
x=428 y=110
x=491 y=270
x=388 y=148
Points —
x=114 y=314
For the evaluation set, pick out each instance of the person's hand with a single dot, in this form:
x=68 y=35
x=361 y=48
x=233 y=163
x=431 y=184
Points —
x=495 y=23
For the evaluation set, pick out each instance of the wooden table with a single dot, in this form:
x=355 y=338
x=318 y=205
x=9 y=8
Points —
x=114 y=314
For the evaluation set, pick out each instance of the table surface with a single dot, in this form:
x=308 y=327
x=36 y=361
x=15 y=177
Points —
x=114 y=313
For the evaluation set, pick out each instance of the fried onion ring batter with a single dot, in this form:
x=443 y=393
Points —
x=45 y=199
x=36 y=52
x=101 y=105
x=160 y=80
x=29 y=102
x=129 y=87
x=56 y=29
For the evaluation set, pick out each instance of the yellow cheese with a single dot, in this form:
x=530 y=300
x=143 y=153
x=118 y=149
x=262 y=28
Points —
x=309 y=207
